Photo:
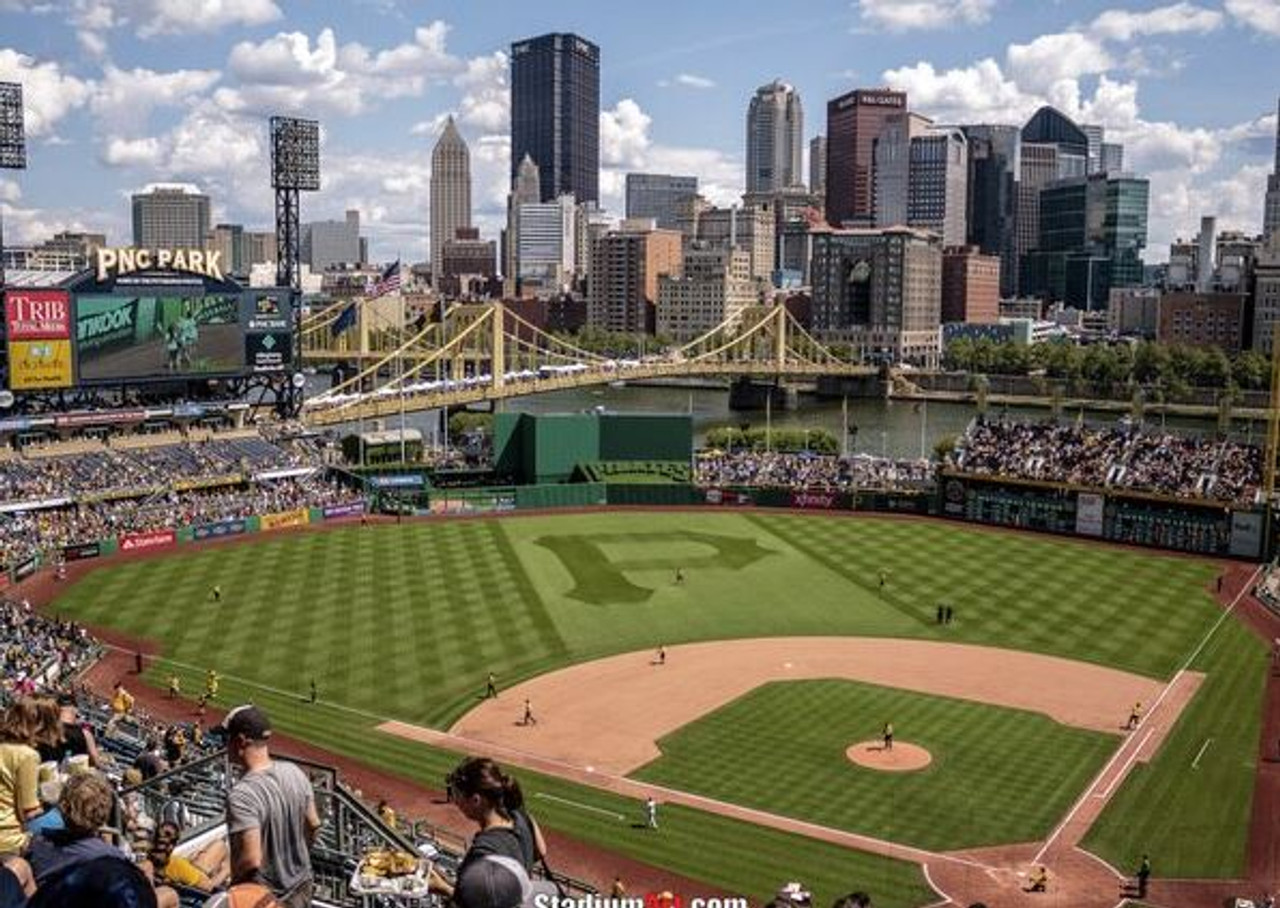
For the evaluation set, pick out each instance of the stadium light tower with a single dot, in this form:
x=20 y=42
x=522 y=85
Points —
x=13 y=143
x=295 y=168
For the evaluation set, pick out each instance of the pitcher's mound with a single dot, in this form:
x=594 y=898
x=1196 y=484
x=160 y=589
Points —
x=903 y=758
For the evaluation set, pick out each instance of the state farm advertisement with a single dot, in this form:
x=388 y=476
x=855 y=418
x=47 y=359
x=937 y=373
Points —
x=141 y=542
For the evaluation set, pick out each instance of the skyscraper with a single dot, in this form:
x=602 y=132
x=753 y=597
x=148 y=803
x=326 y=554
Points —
x=818 y=166
x=170 y=217
x=658 y=196
x=775 y=133
x=892 y=173
x=995 y=169
x=1271 y=214
x=854 y=122
x=450 y=194
x=555 y=113
x=939 y=183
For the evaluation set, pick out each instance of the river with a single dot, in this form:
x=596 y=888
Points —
x=901 y=429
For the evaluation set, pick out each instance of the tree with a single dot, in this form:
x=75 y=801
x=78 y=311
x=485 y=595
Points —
x=1250 y=370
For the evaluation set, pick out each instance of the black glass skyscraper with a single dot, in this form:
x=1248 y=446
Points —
x=555 y=113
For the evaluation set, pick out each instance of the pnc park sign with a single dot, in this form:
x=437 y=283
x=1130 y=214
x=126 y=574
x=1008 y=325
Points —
x=118 y=262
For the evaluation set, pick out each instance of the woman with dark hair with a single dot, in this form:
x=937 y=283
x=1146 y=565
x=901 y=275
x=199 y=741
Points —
x=493 y=801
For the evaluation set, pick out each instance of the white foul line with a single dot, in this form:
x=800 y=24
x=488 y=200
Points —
x=1195 y=764
x=1115 y=780
x=580 y=806
x=1143 y=721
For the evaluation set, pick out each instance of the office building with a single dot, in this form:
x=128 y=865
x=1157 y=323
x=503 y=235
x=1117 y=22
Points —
x=546 y=246
x=1134 y=311
x=970 y=285
x=1092 y=233
x=658 y=196
x=775 y=136
x=1271 y=205
x=995 y=164
x=526 y=190
x=467 y=264
x=625 y=267
x=555 y=114
x=333 y=244
x=591 y=224
x=450 y=194
x=892 y=171
x=749 y=227
x=1204 y=320
x=259 y=248
x=818 y=168
x=1266 y=296
x=228 y=239
x=714 y=287
x=938 y=185
x=854 y=122
x=170 y=217
x=879 y=291
x=1112 y=158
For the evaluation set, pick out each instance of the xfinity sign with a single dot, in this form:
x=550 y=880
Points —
x=118 y=262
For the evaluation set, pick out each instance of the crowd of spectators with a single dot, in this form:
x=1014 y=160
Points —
x=1121 y=457
x=96 y=471
x=26 y=533
x=808 y=470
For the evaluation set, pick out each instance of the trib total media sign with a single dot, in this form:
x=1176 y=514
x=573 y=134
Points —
x=114 y=263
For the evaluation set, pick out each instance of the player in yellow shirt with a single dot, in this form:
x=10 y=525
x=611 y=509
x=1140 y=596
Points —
x=121 y=706
x=211 y=680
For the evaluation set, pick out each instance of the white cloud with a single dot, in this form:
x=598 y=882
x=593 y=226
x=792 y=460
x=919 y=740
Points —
x=486 y=100
x=145 y=152
x=93 y=43
x=624 y=135
x=48 y=94
x=905 y=15
x=123 y=99
x=1053 y=59
x=688 y=80
x=152 y=18
x=286 y=73
x=1179 y=18
x=9 y=190
x=1264 y=15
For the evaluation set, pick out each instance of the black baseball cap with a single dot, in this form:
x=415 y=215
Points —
x=247 y=720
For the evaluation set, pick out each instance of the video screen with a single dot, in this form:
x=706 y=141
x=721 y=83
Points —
x=129 y=338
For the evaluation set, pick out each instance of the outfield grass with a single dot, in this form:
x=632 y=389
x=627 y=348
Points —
x=998 y=775
x=1194 y=822
x=405 y=621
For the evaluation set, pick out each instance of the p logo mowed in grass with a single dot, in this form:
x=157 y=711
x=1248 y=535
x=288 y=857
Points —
x=599 y=564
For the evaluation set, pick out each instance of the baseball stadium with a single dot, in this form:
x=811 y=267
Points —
x=1038 y=669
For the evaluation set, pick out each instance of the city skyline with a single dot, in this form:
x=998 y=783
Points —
x=113 y=108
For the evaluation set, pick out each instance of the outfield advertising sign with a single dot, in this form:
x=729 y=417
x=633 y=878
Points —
x=1089 y=513
x=25 y=569
x=219 y=530
x=141 y=542
x=298 y=518
x=81 y=552
x=821 y=501
x=727 y=497
x=403 y=481
x=335 y=512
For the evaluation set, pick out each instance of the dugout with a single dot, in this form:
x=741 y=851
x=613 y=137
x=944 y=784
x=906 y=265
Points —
x=546 y=448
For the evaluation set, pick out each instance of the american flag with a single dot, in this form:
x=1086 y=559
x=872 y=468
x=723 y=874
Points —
x=387 y=282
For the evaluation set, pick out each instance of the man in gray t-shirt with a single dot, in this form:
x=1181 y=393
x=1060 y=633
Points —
x=271 y=813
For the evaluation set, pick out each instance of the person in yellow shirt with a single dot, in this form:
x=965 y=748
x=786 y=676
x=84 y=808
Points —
x=211 y=680
x=206 y=870
x=387 y=814
x=19 y=769
x=121 y=706
x=175 y=687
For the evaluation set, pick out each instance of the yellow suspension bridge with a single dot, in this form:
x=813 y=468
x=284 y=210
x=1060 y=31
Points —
x=488 y=352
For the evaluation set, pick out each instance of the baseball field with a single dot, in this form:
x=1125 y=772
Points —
x=788 y=639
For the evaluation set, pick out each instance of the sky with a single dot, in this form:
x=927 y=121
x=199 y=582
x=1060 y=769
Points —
x=121 y=94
